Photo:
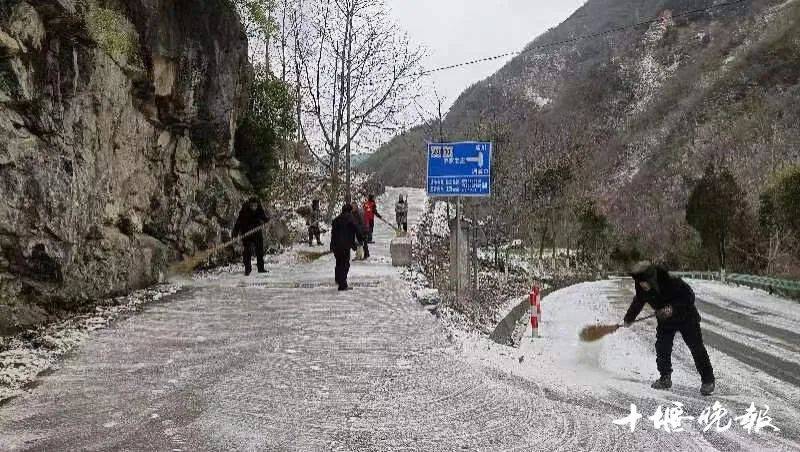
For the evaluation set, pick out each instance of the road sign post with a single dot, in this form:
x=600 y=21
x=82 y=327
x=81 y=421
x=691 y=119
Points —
x=459 y=170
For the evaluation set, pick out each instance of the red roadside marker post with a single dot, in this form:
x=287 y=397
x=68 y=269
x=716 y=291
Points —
x=536 y=311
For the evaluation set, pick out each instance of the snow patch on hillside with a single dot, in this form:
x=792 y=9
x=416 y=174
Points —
x=537 y=99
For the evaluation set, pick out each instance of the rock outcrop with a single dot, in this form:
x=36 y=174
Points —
x=117 y=121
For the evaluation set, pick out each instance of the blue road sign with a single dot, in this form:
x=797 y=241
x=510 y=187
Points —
x=460 y=169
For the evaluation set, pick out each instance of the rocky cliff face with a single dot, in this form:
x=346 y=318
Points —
x=117 y=121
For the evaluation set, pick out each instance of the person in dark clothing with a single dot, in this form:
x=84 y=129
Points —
x=344 y=235
x=251 y=216
x=401 y=213
x=673 y=300
x=314 y=220
x=370 y=212
x=358 y=214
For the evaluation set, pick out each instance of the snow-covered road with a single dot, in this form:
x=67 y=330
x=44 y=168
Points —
x=283 y=361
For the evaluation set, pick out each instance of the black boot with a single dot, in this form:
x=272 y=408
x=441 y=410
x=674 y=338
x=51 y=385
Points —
x=663 y=383
x=707 y=388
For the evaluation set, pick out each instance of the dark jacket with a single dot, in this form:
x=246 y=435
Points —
x=401 y=211
x=249 y=219
x=358 y=217
x=344 y=233
x=666 y=290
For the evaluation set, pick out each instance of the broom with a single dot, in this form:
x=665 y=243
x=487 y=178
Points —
x=396 y=229
x=190 y=263
x=311 y=256
x=596 y=332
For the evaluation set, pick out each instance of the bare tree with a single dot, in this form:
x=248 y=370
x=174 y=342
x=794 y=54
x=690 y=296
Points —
x=355 y=74
x=259 y=26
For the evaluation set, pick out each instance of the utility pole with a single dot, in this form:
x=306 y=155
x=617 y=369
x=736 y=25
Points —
x=474 y=249
x=349 y=50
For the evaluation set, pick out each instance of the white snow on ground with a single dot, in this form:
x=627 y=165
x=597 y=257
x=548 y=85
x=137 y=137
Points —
x=776 y=310
x=560 y=359
x=292 y=267
x=765 y=343
x=552 y=385
x=22 y=360
x=740 y=381
x=620 y=367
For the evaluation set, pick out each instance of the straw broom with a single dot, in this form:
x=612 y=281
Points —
x=190 y=263
x=594 y=333
x=397 y=230
x=311 y=256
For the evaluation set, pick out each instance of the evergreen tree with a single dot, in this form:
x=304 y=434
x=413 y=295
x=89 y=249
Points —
x=779 y=216
x=593 y=234
x=715 y=207
x=268 y=118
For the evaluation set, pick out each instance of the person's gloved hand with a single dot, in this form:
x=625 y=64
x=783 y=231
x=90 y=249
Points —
x=664 y=313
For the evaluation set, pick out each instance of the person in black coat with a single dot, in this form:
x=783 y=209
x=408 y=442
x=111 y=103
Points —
x=313 y=223
x=251 y=216
x=345 y=233
x=673 y=300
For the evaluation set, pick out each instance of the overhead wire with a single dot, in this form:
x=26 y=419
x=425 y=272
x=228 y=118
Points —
x=562 y=42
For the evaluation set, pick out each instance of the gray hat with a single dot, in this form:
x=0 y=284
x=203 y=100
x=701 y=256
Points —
x=643 y=271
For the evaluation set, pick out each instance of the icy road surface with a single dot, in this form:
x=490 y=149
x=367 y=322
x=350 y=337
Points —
x=283 y=361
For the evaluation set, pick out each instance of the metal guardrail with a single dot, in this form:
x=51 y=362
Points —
x=505 y=330
x=709 y=276
x=785 y=287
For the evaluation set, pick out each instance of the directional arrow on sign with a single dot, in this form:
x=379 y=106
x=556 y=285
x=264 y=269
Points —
x=479 y=159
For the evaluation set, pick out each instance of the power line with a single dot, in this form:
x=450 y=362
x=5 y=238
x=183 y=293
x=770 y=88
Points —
x=580 y=38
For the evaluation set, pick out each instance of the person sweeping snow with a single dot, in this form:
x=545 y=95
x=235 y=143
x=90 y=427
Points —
x=313 y=222
x=345 y=232
x=370 y=212
x=673 y=300
x=251 y=216
x=401 y=213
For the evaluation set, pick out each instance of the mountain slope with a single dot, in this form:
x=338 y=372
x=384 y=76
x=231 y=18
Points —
x=636 y=115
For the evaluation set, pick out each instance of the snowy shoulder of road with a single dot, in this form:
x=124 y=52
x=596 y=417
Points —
x=777 y=310
x=26 y=356
x=617 y=370
x=560 y=359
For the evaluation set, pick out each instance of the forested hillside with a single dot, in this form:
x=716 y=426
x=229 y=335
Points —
x=627 y=122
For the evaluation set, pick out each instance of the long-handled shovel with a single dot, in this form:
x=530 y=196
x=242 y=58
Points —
x=596 y=332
